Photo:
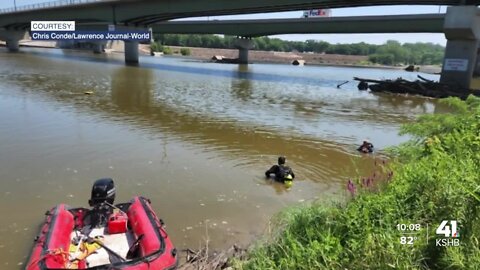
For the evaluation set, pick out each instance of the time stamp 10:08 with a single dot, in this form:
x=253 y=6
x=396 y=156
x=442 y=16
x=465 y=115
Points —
x=447 y=233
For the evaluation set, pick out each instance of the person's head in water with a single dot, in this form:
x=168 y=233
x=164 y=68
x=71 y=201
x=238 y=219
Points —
x=366 y=147
x=281 y=160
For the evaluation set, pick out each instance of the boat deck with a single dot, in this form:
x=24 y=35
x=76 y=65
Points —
x=119 y=243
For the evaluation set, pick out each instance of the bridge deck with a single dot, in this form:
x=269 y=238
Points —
x=146 y=12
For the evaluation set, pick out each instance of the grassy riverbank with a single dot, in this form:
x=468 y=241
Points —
x=434 y=177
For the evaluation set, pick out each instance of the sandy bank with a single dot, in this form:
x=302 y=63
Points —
x=288 y=57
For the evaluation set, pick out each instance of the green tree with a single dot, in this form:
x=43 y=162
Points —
x=394 y=48
x=167 y=50
x=390 y=53
x=382 y=58
x=260 y=43
x=185 y=51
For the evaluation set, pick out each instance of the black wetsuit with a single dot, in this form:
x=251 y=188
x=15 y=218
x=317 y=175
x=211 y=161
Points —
x=280 y=172
x=367 y=146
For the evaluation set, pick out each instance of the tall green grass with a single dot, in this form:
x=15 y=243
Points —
x=433 y=177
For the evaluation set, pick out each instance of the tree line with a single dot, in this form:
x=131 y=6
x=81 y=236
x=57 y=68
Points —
x=390 y=53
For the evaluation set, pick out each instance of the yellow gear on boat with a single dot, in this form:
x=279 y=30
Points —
x=90 y=248
x=81 y=252
x=72 y=248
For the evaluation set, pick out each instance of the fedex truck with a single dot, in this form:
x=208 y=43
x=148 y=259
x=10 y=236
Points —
x=317 y=13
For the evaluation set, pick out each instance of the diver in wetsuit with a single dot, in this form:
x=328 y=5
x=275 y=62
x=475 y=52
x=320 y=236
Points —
x=366 y=147
x=282 y=172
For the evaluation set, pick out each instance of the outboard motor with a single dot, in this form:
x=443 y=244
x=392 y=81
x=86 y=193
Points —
x=102 y=198
x=103 y=190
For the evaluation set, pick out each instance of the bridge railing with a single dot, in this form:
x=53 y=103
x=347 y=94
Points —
x=43 y=5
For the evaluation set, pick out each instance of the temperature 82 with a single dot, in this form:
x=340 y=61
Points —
x=407 y=240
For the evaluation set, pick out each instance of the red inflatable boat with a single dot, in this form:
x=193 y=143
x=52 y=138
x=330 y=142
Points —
x=126 y=236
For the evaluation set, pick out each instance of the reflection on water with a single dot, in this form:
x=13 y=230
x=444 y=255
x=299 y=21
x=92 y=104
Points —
x=242 y=89
x=194 y=137
x=132 y=88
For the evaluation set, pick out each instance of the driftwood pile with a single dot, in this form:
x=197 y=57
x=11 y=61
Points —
x=423 y=87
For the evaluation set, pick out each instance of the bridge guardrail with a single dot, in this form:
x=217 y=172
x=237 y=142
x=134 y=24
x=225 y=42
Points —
x=43 y=5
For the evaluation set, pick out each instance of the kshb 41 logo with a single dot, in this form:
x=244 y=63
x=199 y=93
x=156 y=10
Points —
x=449 y=232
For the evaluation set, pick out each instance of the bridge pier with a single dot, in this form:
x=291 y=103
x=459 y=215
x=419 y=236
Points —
x=476 y=71
x=462 y=31
x=12 y=39
x=65 y=44
x=243 y=45
x=131 y=52
x=13 y=45
x=98 y=47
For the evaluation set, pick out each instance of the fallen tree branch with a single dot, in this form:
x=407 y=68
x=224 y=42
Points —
x=423 y=87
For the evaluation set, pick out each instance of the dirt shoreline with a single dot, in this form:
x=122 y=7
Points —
x=311 y=59
x=206 y=54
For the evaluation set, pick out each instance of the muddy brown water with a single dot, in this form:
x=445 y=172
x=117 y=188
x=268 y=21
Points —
x=193 y=137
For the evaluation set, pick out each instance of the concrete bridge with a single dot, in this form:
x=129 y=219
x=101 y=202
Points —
x=461 y=24
x=424 y=23
x=146 y=12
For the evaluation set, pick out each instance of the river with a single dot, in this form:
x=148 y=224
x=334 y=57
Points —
x=193 y=137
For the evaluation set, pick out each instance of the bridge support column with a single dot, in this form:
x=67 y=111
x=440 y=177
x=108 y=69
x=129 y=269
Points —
x=13 y=45
x=12 y=39
x=98 y=47
x=65 y=44
x=462 y=30
x=476 y=71
x=131 y=52
x=243 y=45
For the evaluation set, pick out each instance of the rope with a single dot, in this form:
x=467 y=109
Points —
x=53 y=253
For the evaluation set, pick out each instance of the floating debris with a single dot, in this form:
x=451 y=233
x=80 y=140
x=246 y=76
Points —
x=341 y=84
x=422 y=87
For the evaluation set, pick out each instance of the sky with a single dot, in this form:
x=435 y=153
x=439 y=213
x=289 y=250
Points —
x=331 y=38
